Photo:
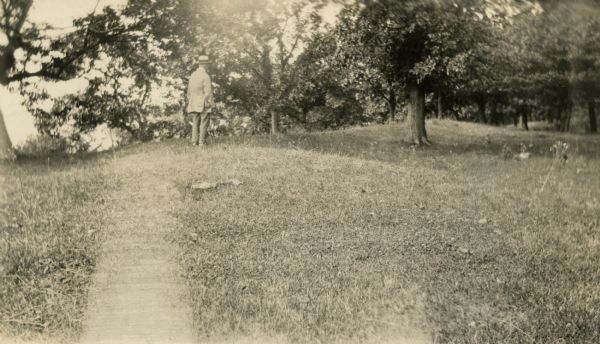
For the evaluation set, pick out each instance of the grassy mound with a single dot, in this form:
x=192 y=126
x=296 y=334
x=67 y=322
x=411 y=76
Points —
x=347 y=236
x=50 y=217
x=458 y=240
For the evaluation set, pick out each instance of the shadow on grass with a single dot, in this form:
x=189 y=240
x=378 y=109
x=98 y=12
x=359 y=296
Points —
x=391 y=143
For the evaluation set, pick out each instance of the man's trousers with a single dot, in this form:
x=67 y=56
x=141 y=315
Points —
x=200 y=123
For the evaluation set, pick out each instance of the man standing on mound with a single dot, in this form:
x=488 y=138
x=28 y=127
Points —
x=200 y=101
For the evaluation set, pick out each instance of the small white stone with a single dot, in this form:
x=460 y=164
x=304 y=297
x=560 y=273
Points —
x=234 y=182
x=204 y=186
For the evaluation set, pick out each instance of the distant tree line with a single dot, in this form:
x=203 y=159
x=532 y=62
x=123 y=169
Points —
x=278 y=64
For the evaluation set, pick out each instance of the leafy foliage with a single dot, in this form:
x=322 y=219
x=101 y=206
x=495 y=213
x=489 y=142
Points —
x=281 y=64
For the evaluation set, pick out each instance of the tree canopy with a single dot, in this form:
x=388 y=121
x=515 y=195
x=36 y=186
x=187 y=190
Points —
x=281 y=64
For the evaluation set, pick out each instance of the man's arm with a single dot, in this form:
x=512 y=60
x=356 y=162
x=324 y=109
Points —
x=208 y=91
x=188 y=94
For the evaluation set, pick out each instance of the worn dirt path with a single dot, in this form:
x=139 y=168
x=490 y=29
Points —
x=137 y=295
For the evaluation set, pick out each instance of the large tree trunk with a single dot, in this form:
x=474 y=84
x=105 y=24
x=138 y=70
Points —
x=440 y=106
x=593 y=119
x=392 y=104
x=565 y=118
x=274 y=122
x=481 y=106
x=417 y=115
x=304 y=118
x=494 y=120
x=6 y=151
x=525 y=120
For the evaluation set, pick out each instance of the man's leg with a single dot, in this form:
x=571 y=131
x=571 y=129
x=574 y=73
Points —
x=195 y=124
x=204 y=127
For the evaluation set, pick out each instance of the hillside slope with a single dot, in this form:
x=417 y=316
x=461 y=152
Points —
x=355 y=236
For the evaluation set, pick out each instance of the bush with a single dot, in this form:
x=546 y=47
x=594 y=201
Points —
x=230 y=122
x=168 y=129
x=42 y=145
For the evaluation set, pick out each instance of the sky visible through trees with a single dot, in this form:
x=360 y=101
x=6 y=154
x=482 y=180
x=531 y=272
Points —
x=58 y=14
x=278 y=65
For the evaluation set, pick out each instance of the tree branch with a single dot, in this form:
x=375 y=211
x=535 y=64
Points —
x=266 y=81
x=21 y=19
x=87 y=31
x=42 y=73
x=287 y=58
x=6 y=16
x=46 y=71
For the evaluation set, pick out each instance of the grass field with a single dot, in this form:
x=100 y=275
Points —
x=345 y=236
x=354 y=236
x=51 y=214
